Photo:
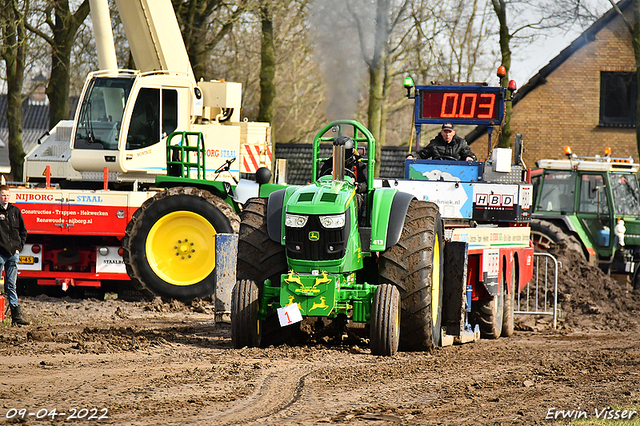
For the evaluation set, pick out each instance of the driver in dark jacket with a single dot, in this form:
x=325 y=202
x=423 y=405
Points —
x=447 y=146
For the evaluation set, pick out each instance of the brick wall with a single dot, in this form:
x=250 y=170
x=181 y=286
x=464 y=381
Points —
x=565 y=109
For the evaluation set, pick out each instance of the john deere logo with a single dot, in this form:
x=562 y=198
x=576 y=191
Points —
x=314 y=236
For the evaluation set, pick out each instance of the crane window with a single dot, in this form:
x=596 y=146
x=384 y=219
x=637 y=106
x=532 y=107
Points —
x=169 y=111
x=144 y=127
x=101 y=113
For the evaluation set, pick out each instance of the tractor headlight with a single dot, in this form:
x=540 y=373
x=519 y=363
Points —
x=295 y=220
x=333 y=221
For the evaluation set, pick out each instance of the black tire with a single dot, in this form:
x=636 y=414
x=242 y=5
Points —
x=545 y=234
x=414 y=265
x=157 y=250
x=245 y=327
x=635 y=279
x=508 y=323
x=489 y=314
x=261 y=258
x=385 y=321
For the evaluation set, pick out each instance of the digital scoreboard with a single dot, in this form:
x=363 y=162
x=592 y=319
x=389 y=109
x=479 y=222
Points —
x=459 y=105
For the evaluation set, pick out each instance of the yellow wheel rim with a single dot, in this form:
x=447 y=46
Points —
x=180 y=248
x=435 y=282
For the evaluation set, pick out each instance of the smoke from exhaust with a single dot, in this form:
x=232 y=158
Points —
x=338 y=53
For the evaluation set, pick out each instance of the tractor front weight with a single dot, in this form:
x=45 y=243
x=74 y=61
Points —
x=319 y=295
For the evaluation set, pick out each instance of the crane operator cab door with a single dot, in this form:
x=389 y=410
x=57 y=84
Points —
x=156 y=113
x=122 y=124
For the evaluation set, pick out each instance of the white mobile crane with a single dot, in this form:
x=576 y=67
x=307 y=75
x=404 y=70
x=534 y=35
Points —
x=88 y=177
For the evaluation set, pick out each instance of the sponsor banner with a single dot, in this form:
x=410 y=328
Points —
x=75 y=212
x=493 y=237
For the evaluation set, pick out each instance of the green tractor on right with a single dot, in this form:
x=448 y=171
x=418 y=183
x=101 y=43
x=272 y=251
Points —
x=591 y=204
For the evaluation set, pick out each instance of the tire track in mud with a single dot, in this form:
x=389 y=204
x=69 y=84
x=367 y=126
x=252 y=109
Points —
x=277 y=391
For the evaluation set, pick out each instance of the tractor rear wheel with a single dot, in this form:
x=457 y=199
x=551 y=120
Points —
x=489 y=314
x=545 y=234
x=245 y=327
x=508 y=323
x=415 y=265
x=385 y=320
x=169 y=246
x=261 y=258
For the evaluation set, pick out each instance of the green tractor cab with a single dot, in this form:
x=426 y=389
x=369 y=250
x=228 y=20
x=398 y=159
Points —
x=592 y=204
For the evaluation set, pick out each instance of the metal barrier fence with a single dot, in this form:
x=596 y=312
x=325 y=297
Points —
x=535 y=298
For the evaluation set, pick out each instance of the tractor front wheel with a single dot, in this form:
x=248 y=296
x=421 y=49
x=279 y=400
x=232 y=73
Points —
x=261 y=258
x=385 y=320
x=245 y=326
x=415 y=265
x=169 y=246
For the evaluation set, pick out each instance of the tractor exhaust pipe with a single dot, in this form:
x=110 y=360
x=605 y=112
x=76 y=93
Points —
x=340 y=145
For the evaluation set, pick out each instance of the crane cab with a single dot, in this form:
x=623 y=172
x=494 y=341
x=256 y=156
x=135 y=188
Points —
x=124 y=119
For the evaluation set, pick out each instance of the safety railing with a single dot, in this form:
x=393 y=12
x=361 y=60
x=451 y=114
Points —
x=540 y=296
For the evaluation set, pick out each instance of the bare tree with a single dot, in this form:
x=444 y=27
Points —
x=267 y=64
x=204 y=24
x=63 y=25
x=13 y=15
x=633 y=26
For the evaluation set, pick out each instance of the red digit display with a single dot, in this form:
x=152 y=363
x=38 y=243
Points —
x=459 y=104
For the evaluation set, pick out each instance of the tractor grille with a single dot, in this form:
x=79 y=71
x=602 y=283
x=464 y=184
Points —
x=331 y=243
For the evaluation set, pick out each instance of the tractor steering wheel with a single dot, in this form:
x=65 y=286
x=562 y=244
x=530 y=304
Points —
x=446 y=157
x=347 y=172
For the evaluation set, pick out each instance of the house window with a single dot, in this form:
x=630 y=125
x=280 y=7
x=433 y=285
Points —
x=618 y=96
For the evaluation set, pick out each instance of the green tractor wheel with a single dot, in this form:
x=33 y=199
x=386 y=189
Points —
x=545 y=234
x=169 y=246
x=415 y=265
x=260 y=258
x=245 y=326
x=385 y=320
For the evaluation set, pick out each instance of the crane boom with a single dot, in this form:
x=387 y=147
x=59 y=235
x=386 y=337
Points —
x=103 y=34
x=154 y=36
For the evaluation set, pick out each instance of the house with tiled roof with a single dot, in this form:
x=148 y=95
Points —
x=585 y=97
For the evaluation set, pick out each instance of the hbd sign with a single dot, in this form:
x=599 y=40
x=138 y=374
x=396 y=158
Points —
x=495 y=200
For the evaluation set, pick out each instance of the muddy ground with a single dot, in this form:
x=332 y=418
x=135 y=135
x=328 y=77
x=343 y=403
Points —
x=149 y=363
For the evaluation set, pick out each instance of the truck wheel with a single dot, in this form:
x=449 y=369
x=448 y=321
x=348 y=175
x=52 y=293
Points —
x=509 y=303
x=385 y=320
x=414 y=265
x=489 y=314
x=245 y=326
x=169 y=246
x=635 y=279
x=261 y=258
x=545 y=234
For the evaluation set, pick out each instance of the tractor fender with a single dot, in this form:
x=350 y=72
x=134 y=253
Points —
x=275 y=206
x=387 y=217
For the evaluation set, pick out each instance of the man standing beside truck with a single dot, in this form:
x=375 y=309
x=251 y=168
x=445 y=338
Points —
x=13 y=235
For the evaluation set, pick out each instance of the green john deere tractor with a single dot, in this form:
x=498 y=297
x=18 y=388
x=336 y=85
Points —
x=313 y=252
